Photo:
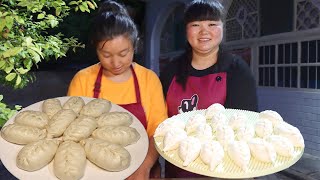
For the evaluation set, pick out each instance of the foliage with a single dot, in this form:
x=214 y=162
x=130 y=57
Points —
x=26 y=40
x=5 y=112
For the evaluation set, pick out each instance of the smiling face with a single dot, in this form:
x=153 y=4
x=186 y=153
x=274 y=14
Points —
x=204 y=36
x=116 y=55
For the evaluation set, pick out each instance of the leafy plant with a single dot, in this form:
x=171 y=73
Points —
x=26 y=40
x=6 y=112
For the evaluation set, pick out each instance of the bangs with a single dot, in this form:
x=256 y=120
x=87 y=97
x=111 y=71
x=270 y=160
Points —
x=203 y=10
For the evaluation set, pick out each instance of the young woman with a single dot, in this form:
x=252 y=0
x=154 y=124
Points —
x=205 y=74
x=118 y=79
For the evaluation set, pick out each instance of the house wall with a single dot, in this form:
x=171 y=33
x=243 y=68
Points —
x=299 y=108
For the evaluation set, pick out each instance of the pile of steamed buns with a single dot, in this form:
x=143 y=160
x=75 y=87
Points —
x=211 y=135
x=71 y=133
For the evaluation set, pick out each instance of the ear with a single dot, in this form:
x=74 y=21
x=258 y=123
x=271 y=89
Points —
x=194 y=99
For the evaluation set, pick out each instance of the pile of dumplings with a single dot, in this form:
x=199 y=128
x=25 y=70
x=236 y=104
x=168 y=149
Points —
x=211 y=135
x=69 y=134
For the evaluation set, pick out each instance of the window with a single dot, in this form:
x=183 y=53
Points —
x=242 y=20
x=284 y=59
x=307 y=13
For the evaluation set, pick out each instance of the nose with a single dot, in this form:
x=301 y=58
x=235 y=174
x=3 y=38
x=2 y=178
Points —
x=115 y=62
x=203 y=30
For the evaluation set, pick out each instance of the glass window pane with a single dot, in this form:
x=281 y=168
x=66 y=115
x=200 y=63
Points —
x=272 y=76
x=312 y=77
x=260 y=76
x=267 y=55
x=294 y=51
x=318 y=44
x=304 y=52
x=287 y=76
x=280 y=77
x=261 y=55
x=294 y=77
x=304 y=77
x=318 y=77
x=280 y=54
x=272 y=54
x=266 y=76
x=312 y=51
x=287 y=53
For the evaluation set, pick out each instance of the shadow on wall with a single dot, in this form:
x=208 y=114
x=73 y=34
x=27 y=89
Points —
x=48 y=84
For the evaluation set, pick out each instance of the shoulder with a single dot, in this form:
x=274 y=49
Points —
x=231 y=62
x=143 y=71
x=89 y=71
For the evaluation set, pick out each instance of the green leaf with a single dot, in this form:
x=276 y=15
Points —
x=12 y=52
x=41 y=16
x=22 y=71
x=73 y=3
x=1 y=97
x=18 y=81
x=2 y=63
x=11 y=76
x=53 y=23
x=27 y=63
x=28 y=41
x=35 y=55
x=2 y=24
x=9 y=22
x=9 y=68
x=58 y=11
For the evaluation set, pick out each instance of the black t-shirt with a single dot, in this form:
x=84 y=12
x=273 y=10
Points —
x=241 y=85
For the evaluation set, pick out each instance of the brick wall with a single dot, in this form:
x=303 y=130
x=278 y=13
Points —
x=299 y=108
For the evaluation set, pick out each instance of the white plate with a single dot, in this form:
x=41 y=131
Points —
x=227 y=169
x=137 y=151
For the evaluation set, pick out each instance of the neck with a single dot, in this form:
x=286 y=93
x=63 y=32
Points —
x=118 y=77
x=202 y=61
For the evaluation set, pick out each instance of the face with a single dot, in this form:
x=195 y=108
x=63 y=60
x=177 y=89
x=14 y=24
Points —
x=204 y=36
x=116 y=55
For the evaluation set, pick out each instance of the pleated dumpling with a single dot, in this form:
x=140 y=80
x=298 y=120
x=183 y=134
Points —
x=204 y=132
x=189 y=150
x=21 y=134
x=36 y=155
x=51 y=106
x=114 y=119
x=168 y=124
x=272 y=116
x=122 y=135
x=225 y=135
x=193 y=123
x=96 y=107
x=59 y=122
x=282 y=145
x=262 y=150
x=32 y=118
x=172 y=139
x=239 y=152
x=74 y=103
x=263 y=128
x=69 y=161
x=245 y=133
x=292 y=133
x=218 y=120
x=238 y=120
x=212 y=154
x=108 y=156
x=213 y=109
x=80 y=128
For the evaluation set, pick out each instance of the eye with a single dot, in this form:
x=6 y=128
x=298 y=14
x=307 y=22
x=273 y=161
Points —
x=194 y=25
x=124 y=53
x=213 y=24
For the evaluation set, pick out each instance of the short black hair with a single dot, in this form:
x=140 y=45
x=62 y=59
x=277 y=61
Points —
x=112 y=20
x=202 y=10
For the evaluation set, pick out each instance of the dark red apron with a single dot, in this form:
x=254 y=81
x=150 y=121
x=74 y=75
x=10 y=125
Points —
x=135 y=108
x=200 y=93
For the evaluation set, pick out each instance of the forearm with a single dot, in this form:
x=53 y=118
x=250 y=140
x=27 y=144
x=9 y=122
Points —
x=152 y=155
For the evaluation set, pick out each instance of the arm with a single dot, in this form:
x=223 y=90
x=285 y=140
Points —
x=75 y=87
x=241 y=87
x=156 y=113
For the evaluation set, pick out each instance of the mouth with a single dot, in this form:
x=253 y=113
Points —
x=204 y=39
